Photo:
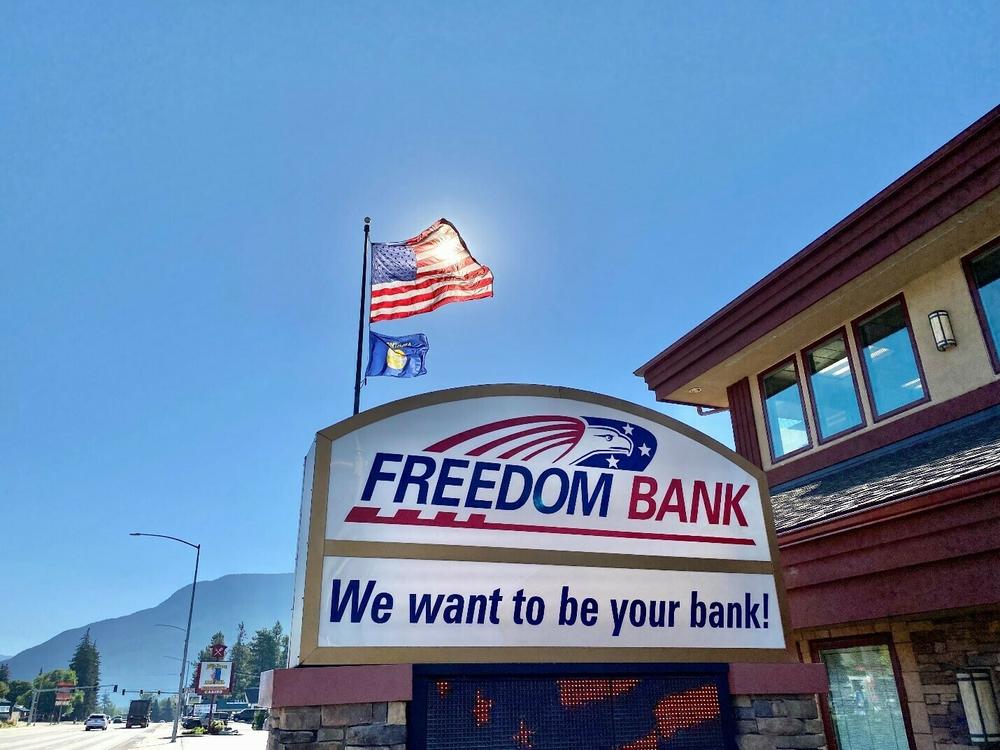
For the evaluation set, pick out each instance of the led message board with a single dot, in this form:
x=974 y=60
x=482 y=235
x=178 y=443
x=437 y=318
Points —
x=531 y=523
x=570 y=712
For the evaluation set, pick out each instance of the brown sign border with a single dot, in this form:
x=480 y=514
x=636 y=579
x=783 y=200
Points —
x=319 y=547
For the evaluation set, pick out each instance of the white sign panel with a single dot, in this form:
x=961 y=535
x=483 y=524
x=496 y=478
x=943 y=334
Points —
x=389 y=602
x=537 y=472
x=215 y=677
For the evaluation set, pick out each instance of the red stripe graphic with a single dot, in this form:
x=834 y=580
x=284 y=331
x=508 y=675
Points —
x=548 y=421
x=513 y=436
x=449 y=519
x=563 y=438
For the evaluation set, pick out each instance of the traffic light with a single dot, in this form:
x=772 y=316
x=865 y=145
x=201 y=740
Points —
x=123 y=691
x=140 y=693
x=115 y=690
x=157 y=692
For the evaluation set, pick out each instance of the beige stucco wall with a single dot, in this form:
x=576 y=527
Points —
x=947 y=374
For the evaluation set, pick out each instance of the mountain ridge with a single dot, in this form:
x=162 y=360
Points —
x=138 y=653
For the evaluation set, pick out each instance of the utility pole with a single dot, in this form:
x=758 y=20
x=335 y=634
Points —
x=187 y=633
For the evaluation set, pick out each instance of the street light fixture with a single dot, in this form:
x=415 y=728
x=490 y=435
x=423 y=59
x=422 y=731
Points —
x=187 y=633
x=162 y=625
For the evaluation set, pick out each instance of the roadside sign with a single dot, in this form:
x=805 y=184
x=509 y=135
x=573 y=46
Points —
x=64 y=693
x=214 y=678
x=517 y=523
x=218 y=651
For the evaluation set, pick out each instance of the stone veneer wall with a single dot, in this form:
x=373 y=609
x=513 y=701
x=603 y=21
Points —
x=763 y=722
x=929 y=651
x=354 y=726
x=771 y=722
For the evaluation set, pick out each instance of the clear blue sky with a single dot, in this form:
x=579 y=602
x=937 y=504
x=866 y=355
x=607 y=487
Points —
x=181 y=192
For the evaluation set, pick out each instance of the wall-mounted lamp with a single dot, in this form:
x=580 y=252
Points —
x=944 y=336
x=976 y=690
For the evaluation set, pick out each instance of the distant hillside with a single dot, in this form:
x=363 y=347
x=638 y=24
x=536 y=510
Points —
x=136 y=654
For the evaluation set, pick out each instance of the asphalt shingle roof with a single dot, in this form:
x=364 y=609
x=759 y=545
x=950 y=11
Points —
x=960 y=450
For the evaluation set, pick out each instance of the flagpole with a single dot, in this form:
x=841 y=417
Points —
x=361 y=319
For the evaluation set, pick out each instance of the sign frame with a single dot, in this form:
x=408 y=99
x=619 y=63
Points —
x=201 y=690
x=314 y=548
x=65 y=692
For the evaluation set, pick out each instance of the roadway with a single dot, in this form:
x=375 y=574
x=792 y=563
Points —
x=116 y=737
x=74 y=737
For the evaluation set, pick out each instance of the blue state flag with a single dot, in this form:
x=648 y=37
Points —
x=396 y=356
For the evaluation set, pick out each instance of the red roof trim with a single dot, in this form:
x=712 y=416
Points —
x=949 y=180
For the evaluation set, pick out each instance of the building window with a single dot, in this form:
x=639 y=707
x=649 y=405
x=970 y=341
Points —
x=889 y=356
x=983 y=270
x=863 y=709
x=832 y=387
x=786 y=422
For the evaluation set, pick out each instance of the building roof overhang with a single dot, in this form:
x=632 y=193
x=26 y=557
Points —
x=952 y=179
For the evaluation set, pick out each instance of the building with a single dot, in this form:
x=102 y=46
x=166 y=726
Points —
x=863 y=376
x=11 y=713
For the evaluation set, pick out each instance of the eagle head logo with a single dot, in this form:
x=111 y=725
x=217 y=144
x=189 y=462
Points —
x=596 y=442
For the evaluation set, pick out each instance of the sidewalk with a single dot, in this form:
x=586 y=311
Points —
x=247 y=739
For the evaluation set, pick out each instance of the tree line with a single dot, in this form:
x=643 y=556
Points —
x=84 y=670
x=266 y=649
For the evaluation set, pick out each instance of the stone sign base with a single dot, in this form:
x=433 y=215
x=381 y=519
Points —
x=774 y=707
x=381 y=724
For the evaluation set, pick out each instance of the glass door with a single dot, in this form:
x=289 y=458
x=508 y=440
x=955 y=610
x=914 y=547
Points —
x=864 y=705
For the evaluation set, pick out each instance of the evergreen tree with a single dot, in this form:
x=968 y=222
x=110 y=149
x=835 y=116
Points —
x=283 y=659
x=107 y=706
x=20 y=692
x=240 y=655
x=154 y=710
x=4 y=673
x=265 y=650
x=167 y=709
x=86 y=663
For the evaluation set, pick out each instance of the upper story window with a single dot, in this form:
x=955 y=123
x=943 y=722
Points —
x=892 y=370
x=832 y=386
x=786 y=422
x=984 y=276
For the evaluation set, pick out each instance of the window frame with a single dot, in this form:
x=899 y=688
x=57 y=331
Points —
x=869 y=639
x=843 y=332
x=977 y=301
x=856 y=329
x=763 y=405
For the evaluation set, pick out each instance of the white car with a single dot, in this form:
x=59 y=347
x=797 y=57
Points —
x=97 y=721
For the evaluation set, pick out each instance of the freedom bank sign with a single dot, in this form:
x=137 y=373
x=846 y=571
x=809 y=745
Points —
x=531 y=523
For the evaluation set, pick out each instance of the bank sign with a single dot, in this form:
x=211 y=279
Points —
x=501 y=522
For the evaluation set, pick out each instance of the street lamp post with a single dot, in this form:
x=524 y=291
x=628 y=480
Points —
x=187 y=633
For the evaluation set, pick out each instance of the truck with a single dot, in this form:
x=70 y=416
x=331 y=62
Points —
x=138 y=713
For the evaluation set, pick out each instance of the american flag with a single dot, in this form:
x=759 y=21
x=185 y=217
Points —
x=425 y=272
